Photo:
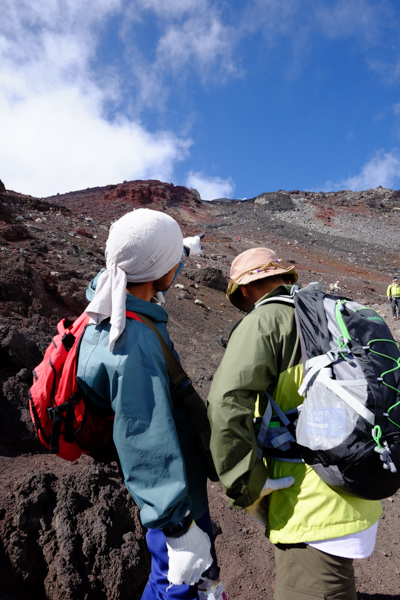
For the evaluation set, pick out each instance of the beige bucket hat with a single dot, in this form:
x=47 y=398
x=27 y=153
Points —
x=257 y=263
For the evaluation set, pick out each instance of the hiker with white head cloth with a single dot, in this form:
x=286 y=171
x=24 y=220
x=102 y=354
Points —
x=122 y=365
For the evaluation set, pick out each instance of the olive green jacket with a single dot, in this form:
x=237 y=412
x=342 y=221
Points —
x=264 y=353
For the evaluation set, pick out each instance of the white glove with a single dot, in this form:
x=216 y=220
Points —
x=194 y=245
x=271 y=485
x=189 y=556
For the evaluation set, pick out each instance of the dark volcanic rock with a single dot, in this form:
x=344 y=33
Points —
x=275 y=201
x=76 y=537
x=195 y=194
x=18 y=349
x=5 y=211
x=13 y=233
x=72 y=295
x=20 y=284
x=19 y=354
x=210 y=277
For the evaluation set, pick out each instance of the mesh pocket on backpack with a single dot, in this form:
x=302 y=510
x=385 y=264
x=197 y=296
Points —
x=326 y=420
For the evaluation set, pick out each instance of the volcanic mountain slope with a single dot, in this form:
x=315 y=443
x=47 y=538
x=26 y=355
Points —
x=70 y=530
x=342 y=235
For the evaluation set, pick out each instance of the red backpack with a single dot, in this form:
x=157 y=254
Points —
x=66 y=422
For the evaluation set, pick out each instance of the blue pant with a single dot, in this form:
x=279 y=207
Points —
x=156 y=588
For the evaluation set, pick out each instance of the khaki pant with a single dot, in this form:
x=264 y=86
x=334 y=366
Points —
x=302 y=572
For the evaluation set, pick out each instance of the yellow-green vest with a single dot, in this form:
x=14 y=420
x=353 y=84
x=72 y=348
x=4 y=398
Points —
x=393 y=290
x=310 y=510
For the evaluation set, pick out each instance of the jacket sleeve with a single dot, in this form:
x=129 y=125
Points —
x=389 y=291
x=146 y=437
x=248 y=367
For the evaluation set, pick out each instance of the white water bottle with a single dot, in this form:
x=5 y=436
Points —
x=211 y=589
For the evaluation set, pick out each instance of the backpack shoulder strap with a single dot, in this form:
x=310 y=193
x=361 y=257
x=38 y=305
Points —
x=175 y=370
x=194 y=404
x=288 y=300
x=280 y=299
x=134 y=316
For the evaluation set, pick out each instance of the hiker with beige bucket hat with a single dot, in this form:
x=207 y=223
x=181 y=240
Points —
x=317 y=532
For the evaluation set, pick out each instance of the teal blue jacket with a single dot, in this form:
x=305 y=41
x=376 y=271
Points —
x=155 y=440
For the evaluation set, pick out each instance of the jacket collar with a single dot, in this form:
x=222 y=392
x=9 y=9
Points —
x=150 y=309
x=281 y=290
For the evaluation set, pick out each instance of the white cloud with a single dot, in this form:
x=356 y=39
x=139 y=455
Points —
x=55 y=102
x=298 y=25
x=360 y=18
x=203 y=42
x=210 y=188
x=55 y=136
x=272 y=17
x=194 y=41
x=59 y=142
x=59 y=14
x=338 y=18
x=382 y=169
x=174 y=8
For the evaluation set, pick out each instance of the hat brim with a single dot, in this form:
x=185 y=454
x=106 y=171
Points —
x=247 y=278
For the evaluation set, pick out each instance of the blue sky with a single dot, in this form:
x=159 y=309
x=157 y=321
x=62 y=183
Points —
x=232 y=97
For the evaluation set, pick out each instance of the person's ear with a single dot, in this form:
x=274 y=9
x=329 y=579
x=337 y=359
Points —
x=245 y=291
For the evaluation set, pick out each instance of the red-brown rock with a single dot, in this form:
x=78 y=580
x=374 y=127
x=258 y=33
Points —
x=81 y=231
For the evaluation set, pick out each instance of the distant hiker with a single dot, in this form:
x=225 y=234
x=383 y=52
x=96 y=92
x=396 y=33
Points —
x=317 y=532
x=334 y=287
x=393 y=294
x=121 y=365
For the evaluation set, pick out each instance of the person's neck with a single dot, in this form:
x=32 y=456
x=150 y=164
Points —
x=253 y=294
x=144 y=291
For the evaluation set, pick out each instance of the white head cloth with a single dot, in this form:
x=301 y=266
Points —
x=142 y=246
